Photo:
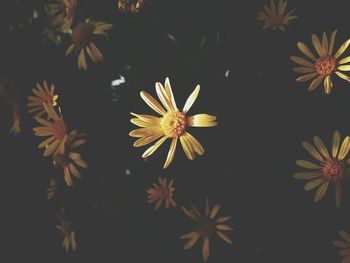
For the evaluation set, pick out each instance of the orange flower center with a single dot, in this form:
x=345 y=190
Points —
x=276 y=20
x=82 y=35
x=174 y=123
x=333 y=170
x=325 y=65
x=59 y=129
x=206 y=227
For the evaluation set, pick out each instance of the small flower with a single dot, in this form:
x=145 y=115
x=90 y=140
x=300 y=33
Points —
x=16 y=128
x=172 y=125
x=52 y=188
x=82 y=37
x=162 y=193
x=207 y=227
x=344 y=246
x=323 y=66
x=69 y=160
x=62 y=13
x=130 y=6
x=56 y=128
x=65 y=227
x=276 y=17
x=332 y=168
x=43 y=95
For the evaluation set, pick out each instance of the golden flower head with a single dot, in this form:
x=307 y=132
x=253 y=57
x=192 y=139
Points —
x=162 y=193
x=65 y=227
x=62 y=13
x=68 y=160
x=172 y=124
x=43 y=95
x=344 y=246
x=207 y=226
x=332 y=167
x=324 y=65
x=130 y=6
x=82 y=38
x=275 y=17
x=55 y=128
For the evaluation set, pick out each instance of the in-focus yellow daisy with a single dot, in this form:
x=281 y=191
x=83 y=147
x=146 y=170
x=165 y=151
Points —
x=43 y=95
x=172 y=124
x=344 y=246
x=324 y=65
x=162 y=193
x=65 y=227
x=331 y=168
x=275 y=16
x=207 y=226
x=82 y=38
x=69 y=160
x=130 y=6
x=62 y=13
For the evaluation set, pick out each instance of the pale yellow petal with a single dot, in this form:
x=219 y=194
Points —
x=343 y=76
x=344 y=68
x=192 y=241
x=338 y=194
x=191 y=99
x=312 y=151
x=202 y=120
x=153 y=148
x=307 y=164
x=171 y=153
x=163 y=96
x=321 y=147
x=152 y=103
x=331 y=42
x=169 y=92
x=315 y=83
x=328 y=85
x=335 y=143
x=342 y=49
x=306 y=51
x=187 y=147
x=344 y=149
x=344 y=60
x=313 y=184
x=306 y=175
x=224 y=237
x=321 y=191
x=317 y=45
x=307 y=77
x=196 y=145
x=302 y=61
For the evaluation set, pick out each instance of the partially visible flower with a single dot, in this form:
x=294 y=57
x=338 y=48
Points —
x=16 y=128
x=344 y=246
x=130 y=6
x=55 y=128
x=69 y=160
x=276 y=17
x=65 y=227
x=52 y=188
x=62 y=13
x=43 y=95
x=332 y=168
x=207 y=226
x=172 y=124
x=162 y=193
x=324 y=65
x=83 y=36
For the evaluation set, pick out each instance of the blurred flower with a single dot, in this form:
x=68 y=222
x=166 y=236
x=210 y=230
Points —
x=276 y=17
x=324 y=65
x=82 y=38
x=68 y=160
x=332 y=168
x=51 y=32
x=207 y=227
x=344 y=246
x=56 y=128
x=62 y=13
x=162 y=193
x=42 y=96
x=172 y=124
x=65 y=227
x=15 y=129
x=130 y=6
x=52 y=188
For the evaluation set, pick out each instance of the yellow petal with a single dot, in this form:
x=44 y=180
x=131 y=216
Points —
x=343 y=76
x=192 y=241
x=304 y=70
x=82 y=60
x=214 y=211
x=321 y=147
x=171 y=153
x=196 y=145
x=312 y=151
x=191 y=99
x=331 y=43
x=202 y=120
x=205 y=249
x=313 y=184
x=148 y=139
x=317 y=45
x=170 y=94
x=325 y=43
x=306 y=77
x=162 y=95
x=344 y=68
x=144 y=124
x=321 y=191
x=342 y=49
x=344 y=60
x=223 y=219
x=67 y=177
x=307 y=164
x=306 y=175
x=338 y=194
x=306 y=51
x=315 y=83
x=302 y=61
x=335 y=143
x=144 y=132
x=224 y=228
x=70 y=50
x=147 y=118
x=153 y=148
x=224 y=237
x=344 y=149
x=187 y=147
x=328 y=85
x=152 y=103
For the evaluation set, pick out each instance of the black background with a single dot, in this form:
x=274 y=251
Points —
x=263 y=114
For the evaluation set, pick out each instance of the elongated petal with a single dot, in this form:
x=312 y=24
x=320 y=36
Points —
x=344 y=68
x=222 y=219
x=312 y=151
x=67 y=176
x=317 y=45
x=315 y=83
x=335 y=144
x=224 y=227
x=306 y=51
x=191 y=242
x=331 y=42
x=338 y=194
x=321 y=147
x=148 y=139
x=162 y=95
x=306 y=77
x=343 y=76
x=214 y=211
x=187 y=147
x=344 y=60
x=190 y=213
x=191 y=99
x=306 y=175
x=147 y=118
x=304 y=70
x=205 y=249
x=82 y=60
x=169 y=92
x=313 y=184
x=344 y=149
x=152 y=103
x=342 y=49
x=328 y=85
x=144 y=132
x=307 y=164
x=195 y=144
x=224 y=237
x=202 y=120
x=142 y=123
x=302 y=61
x=171 y=153
x=321 y=191
x=153 y=148
x=324 y=43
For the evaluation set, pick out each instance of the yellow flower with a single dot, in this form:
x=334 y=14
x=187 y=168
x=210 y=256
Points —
x=56 y=128
x=276 y=17
x=82 y=38
x=162 y=193
x=332 y=168
x=69 y=160
x=172 y=124
x=63 y=13
x=43 y=95
x=65 y=227
x=324 y=65
x=344 y=246
x=207 y=227
x=130 y=6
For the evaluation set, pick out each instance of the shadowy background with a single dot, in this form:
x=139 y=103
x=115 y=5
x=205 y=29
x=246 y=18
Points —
x=246 y=80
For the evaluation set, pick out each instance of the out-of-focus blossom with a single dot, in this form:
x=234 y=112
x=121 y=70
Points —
x=62 y=13
x=52 y=188
x=130 y=6
x=162 y=193
x=83 y=36
x=344 y=246
x=65 y=227
x=172 y=124
x=331 y=168
x=207 y=225
x=275 y=16
x=324 y=65
x=42 y=95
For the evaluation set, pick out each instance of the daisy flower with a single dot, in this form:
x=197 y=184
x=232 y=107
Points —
x=330 y=169
x=275 y=17
x=82 y=38
x=344 y=246
x=324 y=65
x=162 y=193
x=63 y=12
x=42 y=95
x=172 y=124
x=65 y=227
x=207 y=226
